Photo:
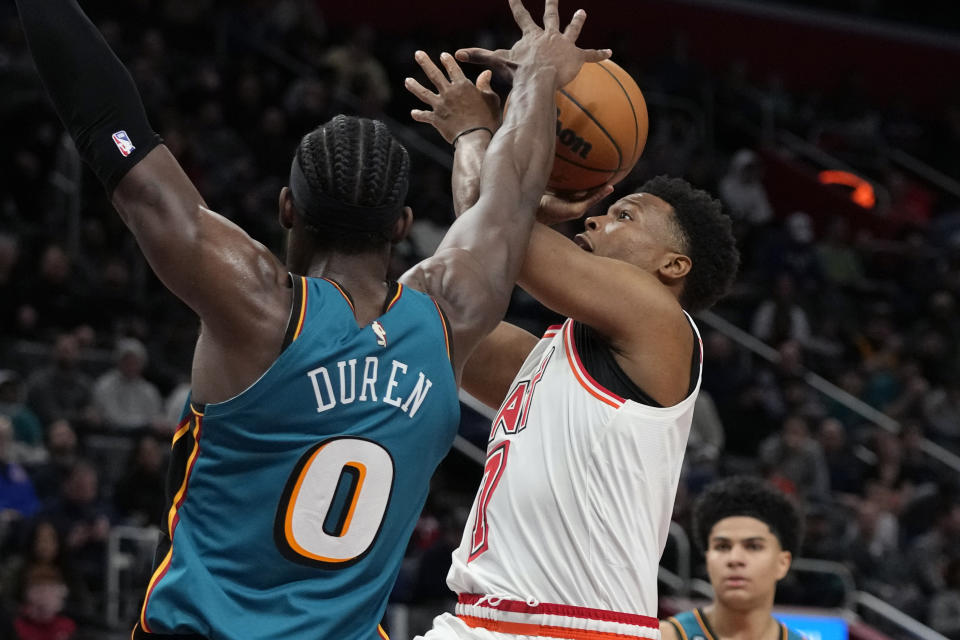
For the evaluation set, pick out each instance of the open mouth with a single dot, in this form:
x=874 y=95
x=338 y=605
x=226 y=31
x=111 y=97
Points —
x=582 y=242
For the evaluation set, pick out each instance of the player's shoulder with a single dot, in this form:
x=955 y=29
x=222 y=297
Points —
x=681 y=626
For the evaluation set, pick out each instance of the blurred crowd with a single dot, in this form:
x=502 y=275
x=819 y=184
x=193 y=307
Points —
x=95 y=353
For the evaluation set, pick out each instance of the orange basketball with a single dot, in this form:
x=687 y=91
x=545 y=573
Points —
x=601 y=128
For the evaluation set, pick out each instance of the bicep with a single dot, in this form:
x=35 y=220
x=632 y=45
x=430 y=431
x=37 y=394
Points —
x=204 y=259
x=620 y=300
x=494 y=364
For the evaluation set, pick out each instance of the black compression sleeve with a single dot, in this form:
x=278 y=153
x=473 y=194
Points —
x=91 y=90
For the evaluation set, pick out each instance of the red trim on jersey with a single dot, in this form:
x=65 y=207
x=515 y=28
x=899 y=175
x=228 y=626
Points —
x=383 y=634
x=343 y=293
x=395 y=297
x=580 y=372
x=446 y=334
x=542 y=630
x=173 y=517
x=570 y=611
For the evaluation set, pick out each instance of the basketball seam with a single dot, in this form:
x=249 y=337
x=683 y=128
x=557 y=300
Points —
x=583 y=166
x=613 y=141
x=633 y=108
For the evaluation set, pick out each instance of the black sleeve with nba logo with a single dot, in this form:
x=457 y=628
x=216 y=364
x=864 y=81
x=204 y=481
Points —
x=91 y=90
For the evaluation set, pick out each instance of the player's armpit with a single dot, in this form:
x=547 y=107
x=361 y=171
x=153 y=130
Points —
x=204 y=259
x=494 y=364
x=465 y=292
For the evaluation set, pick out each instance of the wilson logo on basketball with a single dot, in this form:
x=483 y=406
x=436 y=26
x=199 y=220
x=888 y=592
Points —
x=570 y=139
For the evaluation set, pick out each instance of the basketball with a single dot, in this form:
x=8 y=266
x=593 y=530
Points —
x=601 y=128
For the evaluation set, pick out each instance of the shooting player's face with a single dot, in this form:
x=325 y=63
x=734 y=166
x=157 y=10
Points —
x=638 y=229
x=745 y=561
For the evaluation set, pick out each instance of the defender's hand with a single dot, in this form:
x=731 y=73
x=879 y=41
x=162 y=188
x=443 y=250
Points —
x=555 y=209
x=546 y=47
x=458 y=104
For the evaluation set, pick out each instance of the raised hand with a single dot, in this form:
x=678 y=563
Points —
x=544 y=47
x=458 y=105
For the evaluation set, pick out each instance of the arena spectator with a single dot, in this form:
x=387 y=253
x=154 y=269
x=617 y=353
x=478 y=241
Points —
x=62 y=389
x=944 y=614
x=928 y=553
x=139 y=496
x=62 y=449
x=742 y=190
x=780 y=318
x=27 y=429
x=17 y=497
x=40 y=616
x=795 y=461
x=83 y=520
x=123 y=398
x=843 y=466
x=42 y=549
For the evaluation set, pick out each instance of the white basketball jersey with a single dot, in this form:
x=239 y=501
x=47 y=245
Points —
x=577 y=491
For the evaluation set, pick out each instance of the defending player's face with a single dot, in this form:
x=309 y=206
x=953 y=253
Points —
x=745 y=561
x=638 y=229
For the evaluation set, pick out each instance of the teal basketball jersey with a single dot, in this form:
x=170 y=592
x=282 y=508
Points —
x=291 y=504
x=693 y=625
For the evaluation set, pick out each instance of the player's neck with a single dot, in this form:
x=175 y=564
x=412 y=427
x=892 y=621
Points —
x=753 y=624
x=362 y=271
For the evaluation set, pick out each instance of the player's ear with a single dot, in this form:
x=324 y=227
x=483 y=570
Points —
x=402 y=226
x=675 y=266
x=784 y=559
x=286 y=208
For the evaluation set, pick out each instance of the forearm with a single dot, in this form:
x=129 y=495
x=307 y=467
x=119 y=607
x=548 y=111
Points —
x=91 y=90
x=514 y=175
x=520 y=156
x=467 y=163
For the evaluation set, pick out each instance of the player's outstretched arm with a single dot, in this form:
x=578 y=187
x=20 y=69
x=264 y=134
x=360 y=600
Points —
x=197 y=254
x=624 y=303
x=476 y=265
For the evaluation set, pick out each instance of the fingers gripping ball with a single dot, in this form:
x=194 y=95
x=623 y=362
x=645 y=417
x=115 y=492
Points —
x=601 y=128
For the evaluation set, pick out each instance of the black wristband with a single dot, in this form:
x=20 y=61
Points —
x=471 y=130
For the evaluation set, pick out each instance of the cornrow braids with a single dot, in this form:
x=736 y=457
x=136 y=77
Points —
x=707 y=235
x=747 y=496
x=356 y=162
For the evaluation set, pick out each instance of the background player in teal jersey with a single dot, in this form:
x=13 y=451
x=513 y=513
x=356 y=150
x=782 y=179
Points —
x=748 y=531
x=321 y=402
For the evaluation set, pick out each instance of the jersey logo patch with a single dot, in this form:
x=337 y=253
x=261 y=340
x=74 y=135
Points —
x=122 y=140
x=380 y=332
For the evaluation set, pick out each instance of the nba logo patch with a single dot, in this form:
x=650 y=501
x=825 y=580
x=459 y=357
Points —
x=122 y=140
x=380 y=332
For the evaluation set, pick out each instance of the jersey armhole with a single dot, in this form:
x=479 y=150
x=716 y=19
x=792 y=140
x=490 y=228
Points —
x=447 y=333
x=679 y=628
x=298 y=311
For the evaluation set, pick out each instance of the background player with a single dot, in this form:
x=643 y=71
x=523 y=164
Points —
x=584 y=456
x=748 y=532
x=320 y=405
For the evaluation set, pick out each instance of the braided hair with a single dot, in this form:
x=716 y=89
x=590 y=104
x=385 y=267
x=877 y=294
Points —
x=356 y=162
x=707 y=236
